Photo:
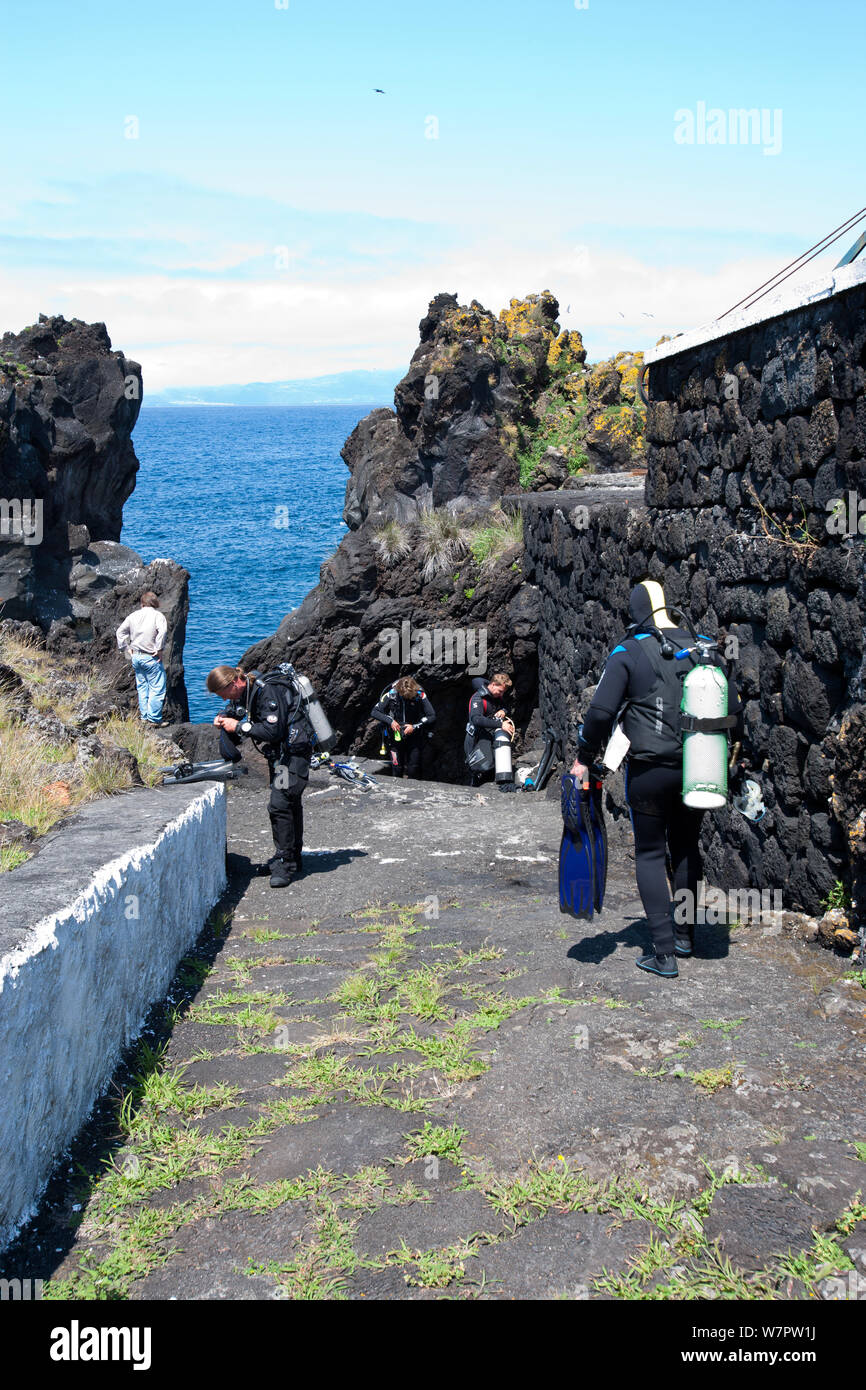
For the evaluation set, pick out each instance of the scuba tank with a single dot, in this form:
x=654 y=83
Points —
x=325 y=736
x=502 y=756
x=704 y=711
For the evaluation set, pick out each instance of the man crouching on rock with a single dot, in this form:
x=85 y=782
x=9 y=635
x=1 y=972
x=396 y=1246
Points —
x=263 y=710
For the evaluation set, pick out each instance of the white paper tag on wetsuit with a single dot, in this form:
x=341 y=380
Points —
x=618 y=746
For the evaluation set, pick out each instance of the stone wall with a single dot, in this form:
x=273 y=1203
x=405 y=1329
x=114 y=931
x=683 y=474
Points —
x=749 y=439
x=91 y=931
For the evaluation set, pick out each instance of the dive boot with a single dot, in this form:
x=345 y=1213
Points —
x=658 y=965
x=281 y=874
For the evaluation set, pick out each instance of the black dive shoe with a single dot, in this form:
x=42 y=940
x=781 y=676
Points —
x=683 y=945
x=282 y=874
x=658 y=965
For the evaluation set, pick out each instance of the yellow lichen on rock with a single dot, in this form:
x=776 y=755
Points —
x=566 y=353
x=475 y=324
x=616 y=436
x=629 y=365
x=529 y=317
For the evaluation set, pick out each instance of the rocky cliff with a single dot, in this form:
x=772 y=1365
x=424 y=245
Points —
x=68 y=405
x=430 y=579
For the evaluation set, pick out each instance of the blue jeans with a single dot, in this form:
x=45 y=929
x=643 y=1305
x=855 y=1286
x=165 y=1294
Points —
x=150 y=684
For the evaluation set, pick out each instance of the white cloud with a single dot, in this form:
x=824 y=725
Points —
x=188 y=331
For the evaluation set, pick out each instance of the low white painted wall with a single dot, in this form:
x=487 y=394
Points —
x=91 y=931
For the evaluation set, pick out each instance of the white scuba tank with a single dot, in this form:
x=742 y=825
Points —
x=502 y=756
x=705 y=756
x=325 y=736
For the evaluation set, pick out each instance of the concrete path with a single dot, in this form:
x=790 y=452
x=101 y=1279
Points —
x=408 y=1076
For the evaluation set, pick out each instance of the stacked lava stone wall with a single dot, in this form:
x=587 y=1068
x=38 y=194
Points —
x=749 y=438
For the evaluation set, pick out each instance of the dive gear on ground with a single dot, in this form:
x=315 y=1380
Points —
x=534 y=779
x=217 y=770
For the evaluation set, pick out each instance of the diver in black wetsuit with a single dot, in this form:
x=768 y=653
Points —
x=408 y=718
x=642 y=685
x=267 y=710
x=485 y=716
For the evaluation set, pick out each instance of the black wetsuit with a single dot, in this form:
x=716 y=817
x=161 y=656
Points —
x=480 y=730
x=276 y=725
x=664 y=828
x=407 y=754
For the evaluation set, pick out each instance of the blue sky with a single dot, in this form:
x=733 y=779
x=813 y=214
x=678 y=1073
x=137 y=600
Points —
x=275 y=217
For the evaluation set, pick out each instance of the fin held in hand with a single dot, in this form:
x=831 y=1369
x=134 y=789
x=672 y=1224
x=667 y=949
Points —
x=599 y=833
x=576 y=851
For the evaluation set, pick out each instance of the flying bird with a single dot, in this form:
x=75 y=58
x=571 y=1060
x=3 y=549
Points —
x=379 y=90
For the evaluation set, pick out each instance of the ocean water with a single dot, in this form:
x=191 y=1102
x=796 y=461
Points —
x=249 y=500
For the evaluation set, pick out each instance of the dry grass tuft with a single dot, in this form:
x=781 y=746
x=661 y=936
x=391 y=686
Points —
x=391 y=542
x=444 y=541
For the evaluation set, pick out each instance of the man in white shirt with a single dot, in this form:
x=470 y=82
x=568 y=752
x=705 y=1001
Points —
x=141 y=637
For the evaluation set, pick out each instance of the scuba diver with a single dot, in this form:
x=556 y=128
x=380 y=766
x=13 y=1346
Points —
x=642 y=689
x=408 y=718
x=273 y=711
x=484 y=724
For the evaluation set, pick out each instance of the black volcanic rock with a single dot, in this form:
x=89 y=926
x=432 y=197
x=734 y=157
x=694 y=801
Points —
x=68 y=405
x=338 y=634
x=471 y=375
x=447 y=450
x=387 y=476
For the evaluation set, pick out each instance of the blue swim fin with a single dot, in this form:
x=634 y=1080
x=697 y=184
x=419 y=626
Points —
x=577 y=869
x=599 y=836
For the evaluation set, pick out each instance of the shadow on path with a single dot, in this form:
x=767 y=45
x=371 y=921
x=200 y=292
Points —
x=711 y=942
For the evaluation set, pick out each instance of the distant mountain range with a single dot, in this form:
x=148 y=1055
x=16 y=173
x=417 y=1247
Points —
x=344 y=388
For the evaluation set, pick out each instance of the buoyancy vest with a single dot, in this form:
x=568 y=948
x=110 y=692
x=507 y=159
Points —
x=652 y=721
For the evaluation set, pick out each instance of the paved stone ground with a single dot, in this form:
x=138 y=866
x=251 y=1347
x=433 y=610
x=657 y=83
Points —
x=408 y=1076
